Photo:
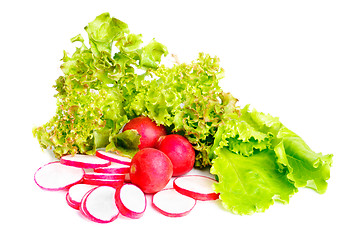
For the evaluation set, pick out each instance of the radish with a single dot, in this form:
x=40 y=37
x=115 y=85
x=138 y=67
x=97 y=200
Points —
x=195 y=186
x=113 y=157
x=172 y=204
x=101 y=182
x=148 y=129
x=131 y=201
x=90 y=174
x=76 y=193
x=114 y=168
x=84 y=161
x=179 y=150
x=150 y=170
x=99 y=204
x=71 y=203
x=55 y=176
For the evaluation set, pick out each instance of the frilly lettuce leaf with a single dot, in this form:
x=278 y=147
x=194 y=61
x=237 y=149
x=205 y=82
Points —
x=257 y=159
x=125 y=143
x=250 y=184
x=103 y=31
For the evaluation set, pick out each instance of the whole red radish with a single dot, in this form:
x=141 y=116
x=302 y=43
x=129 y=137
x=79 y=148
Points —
x=180 y=152
x=150 y=170
x=148 y=129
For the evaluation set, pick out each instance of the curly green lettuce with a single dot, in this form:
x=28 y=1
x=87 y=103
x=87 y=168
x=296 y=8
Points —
x=101 y=91
x=258 y=160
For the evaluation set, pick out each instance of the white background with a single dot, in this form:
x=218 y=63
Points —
x=297 y=60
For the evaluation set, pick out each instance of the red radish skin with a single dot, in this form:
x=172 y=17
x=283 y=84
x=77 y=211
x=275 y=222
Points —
x=131 y=201
x=113 y=157
x=150 y=170
x=179 y=150
x=90 y=174
x=100 y=182
x=76 y=193
x=71 y=203
x=99 y=205
x=84 y=161
x=114 y=168
x=55 y=176
x=148 y=129
x=196 y=186
x=171 y=203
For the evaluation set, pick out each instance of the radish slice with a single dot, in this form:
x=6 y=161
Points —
x=55 y=176
x=114 y=168
x=84 y=161
x=113 y=157
x=99 y=205
x=101 y=182
x=131 y=201
x=195 y=186
x=70 y=203
x=76 y=193
x=171 y=203
x=90 y=174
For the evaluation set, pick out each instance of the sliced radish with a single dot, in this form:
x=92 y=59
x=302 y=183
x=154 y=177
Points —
x=70 y=203
x=171 y=203
x=55 y=176
x=101 y=182
x=81 y=208
x=90 y=174
x=99 y=204
x=131 y=201
x=76 y=193
x=115 y=168
x=113 y=157
x=196 y=186
x=84 y=161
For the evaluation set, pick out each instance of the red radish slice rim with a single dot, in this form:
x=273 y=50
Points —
x=114 y=168
x=77 y=192
x=113 y=157
x=90 y=174
x=52 y=176
x=81 y=207
x=101 y=182
x=92 y=204
x=131 y=201
x=171 y=203
x=71 y=203
x=84 y=161
x=196 y=186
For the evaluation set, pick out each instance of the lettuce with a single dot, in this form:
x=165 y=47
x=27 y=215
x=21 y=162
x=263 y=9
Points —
x=258 y=160
x=116 y=77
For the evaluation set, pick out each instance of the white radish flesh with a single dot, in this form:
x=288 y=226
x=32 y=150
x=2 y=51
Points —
x=84 y=161
x=131 y=201
x=114 y=168
x=99 y=205
x=171 y=203
x=196 y=186
x=90 y=174
x=76 y=193
x=56 y=176
x=113 y=157
x=102 y=182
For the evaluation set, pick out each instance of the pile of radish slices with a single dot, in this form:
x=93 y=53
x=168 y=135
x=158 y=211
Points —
x=100 y=188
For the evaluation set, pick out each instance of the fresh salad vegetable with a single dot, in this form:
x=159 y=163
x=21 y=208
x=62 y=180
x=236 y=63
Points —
x=255 y=158
x=179 y=150
x=150 y=170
